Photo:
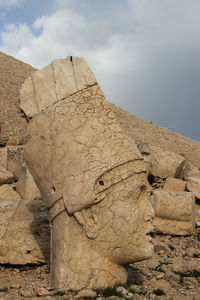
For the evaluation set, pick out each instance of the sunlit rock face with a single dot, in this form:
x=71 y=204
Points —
x=90 y=174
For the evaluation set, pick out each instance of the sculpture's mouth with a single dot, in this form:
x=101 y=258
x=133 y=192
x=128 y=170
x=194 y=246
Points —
x=149 y=233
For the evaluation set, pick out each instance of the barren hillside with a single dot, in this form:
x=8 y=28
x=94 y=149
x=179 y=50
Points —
x=12 y=73
x=141 y=130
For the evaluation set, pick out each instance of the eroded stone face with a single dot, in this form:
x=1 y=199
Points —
x=90 y=174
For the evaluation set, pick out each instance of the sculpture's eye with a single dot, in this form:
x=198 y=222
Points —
x=101 y=182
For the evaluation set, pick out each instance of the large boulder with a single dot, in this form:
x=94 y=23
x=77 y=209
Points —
x=189 y=171
x=174 y=185
x=23 y=237
x=165 y=164
x=24 y=227
x=174 y=212
x=5 y=176
x=193 y=185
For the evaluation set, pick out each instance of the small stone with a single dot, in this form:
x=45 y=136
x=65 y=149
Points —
x=27 y=293
x=144 y=148
x=42 y=292
x=86 y=294
x=163 y=285
x=122 y=290
x=160 y=246
x=174 y=185
x=160 y=276
x=15 y=285
x=6 y=176
x=137 y=297
x=190 y=251
x=114 y=298
x=193 y=185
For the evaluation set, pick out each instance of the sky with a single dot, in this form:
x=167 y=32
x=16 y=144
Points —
x=145 y=54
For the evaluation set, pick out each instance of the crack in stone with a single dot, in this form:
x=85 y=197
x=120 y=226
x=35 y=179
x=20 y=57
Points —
x=34 y=89
x=62 y=99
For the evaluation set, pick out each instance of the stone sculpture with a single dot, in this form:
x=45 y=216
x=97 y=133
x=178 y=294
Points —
x=90 y=174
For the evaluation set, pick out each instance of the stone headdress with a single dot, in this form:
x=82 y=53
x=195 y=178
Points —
x=73 y=138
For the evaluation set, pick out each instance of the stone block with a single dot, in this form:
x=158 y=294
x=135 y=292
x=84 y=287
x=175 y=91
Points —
x=24 y=235
x=193 y=185
x=3 y=157
x=144 y=148
x=174 y=212
x=165 y=164
x=7 y=193
x=174 y=185
x=15 y=162
x=6 y=176
x=189 y=171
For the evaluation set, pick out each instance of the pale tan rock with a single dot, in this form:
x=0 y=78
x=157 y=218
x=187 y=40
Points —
x=86 y=294
x=15 y=162
x=189 y=171
x=174 y=185
x=5 y=176
x=15 y=285
x=144 y=148
x=91 y=176
x=3 y=157
x=7 y=193
x=162 y=284
x=20 y=241
x=24 y=233
x=42 y=292
x=7 y=211
x=26 y=187
x=174 y=212
x=165 y=164
x=193 y=185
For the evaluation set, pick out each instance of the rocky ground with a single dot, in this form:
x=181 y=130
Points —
x=173 y=273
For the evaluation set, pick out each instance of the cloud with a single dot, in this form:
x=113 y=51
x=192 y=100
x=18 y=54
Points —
x=10 y=2
x=145 y=56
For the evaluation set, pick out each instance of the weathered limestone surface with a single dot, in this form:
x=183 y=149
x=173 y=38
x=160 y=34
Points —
x=5 y=176
x=3 y=157
x=165 y=164
x=7 y=193
x=20 y=241
x=90 y=174
x=174 y=212
x=193 y=185
x=174 y=185
x=24 y=231
x=189 y=171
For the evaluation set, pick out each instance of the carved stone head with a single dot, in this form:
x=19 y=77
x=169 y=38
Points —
x=90 y=174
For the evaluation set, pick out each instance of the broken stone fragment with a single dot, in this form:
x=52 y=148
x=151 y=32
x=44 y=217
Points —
x=174 y=212
x=144 y=148
x=7 y=193
x=174 y=185
x=7 y=211
x=189 y=171
x=24 y=237
x=3 y=157
x=24 y=230
x=5 y=176
x=15 y=162
x=193 y=185
x=165 y=164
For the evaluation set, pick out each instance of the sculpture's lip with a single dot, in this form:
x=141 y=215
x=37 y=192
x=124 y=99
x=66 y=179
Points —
x=150 y=231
